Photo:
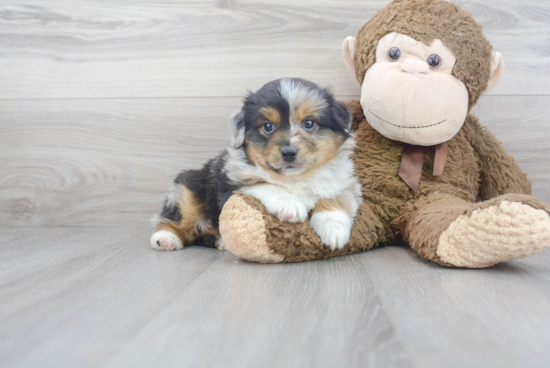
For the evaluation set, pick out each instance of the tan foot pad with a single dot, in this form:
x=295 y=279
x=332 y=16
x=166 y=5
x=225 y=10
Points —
x=243 y=231
x=495 y=234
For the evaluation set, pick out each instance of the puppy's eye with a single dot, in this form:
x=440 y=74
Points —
x=268 y=127
x=394 y=54
x=309 y=124
x=434 y=61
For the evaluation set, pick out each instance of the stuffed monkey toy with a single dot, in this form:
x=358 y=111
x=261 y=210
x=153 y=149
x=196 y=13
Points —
x=431 y=175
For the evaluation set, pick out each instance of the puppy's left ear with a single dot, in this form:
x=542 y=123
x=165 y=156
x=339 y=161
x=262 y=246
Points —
x=236 y=125
x=342 y=115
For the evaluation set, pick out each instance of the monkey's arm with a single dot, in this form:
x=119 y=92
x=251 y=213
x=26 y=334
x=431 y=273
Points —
x=500 y=174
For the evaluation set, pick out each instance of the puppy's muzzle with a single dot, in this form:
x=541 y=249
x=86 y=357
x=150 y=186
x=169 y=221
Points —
x=289 y=154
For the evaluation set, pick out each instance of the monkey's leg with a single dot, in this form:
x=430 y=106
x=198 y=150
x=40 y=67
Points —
x=452 y=232
x=181 y=221
x=252 y=233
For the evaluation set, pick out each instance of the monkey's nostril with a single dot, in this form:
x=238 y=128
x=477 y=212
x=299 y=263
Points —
x=415 y=66
x=289 y=154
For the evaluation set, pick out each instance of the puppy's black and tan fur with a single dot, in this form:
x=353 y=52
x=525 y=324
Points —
x=290 y=149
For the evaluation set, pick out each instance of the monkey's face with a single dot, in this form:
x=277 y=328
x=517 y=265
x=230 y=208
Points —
x=292 y=127
x=409 y=94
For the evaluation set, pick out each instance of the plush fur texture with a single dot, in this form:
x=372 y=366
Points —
x=476 y=214
x=247 y=223
x=503 y=231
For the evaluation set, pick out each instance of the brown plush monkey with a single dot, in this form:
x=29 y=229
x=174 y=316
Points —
x=422 y=158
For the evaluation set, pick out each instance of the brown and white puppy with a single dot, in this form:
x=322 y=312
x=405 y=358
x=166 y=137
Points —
x=290 y=149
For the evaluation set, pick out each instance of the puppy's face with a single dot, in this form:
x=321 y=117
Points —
x=291 y=126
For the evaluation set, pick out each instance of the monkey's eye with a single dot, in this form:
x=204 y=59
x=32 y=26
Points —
x=434 y=61
x=268 y=127
x=394 y=54
x=309 y=124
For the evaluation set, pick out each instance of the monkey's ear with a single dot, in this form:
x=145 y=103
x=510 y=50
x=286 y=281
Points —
x=237 y=128
x=497 y=68
x=348 y=50
x=342 y=114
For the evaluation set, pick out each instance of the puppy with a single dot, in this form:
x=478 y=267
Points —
x=291 y=147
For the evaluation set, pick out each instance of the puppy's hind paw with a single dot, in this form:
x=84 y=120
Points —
x=332 y=227
x=165 y=240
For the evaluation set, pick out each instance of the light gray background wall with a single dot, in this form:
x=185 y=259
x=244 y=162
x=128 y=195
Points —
x=103 y=102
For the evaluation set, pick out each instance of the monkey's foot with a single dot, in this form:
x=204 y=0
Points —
x=243 y=230
x=498 y=233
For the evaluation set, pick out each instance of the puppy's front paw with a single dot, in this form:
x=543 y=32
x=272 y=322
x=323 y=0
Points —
x=165 y=240
x=288 y=209
x=332 y=227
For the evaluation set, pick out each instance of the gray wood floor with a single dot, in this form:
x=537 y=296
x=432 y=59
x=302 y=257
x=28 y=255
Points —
x=84 y=297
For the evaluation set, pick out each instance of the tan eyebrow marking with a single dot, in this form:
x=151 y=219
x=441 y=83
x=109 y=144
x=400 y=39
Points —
x=305 y=109
x=271 y=114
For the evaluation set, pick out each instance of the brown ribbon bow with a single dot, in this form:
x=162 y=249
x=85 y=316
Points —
x=413 y=159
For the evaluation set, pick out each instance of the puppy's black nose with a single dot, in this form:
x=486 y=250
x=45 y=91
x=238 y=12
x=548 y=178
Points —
x=289 y=154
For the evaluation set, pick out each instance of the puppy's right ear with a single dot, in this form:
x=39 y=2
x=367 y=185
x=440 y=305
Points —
x=342 y=114
x=236 y=125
